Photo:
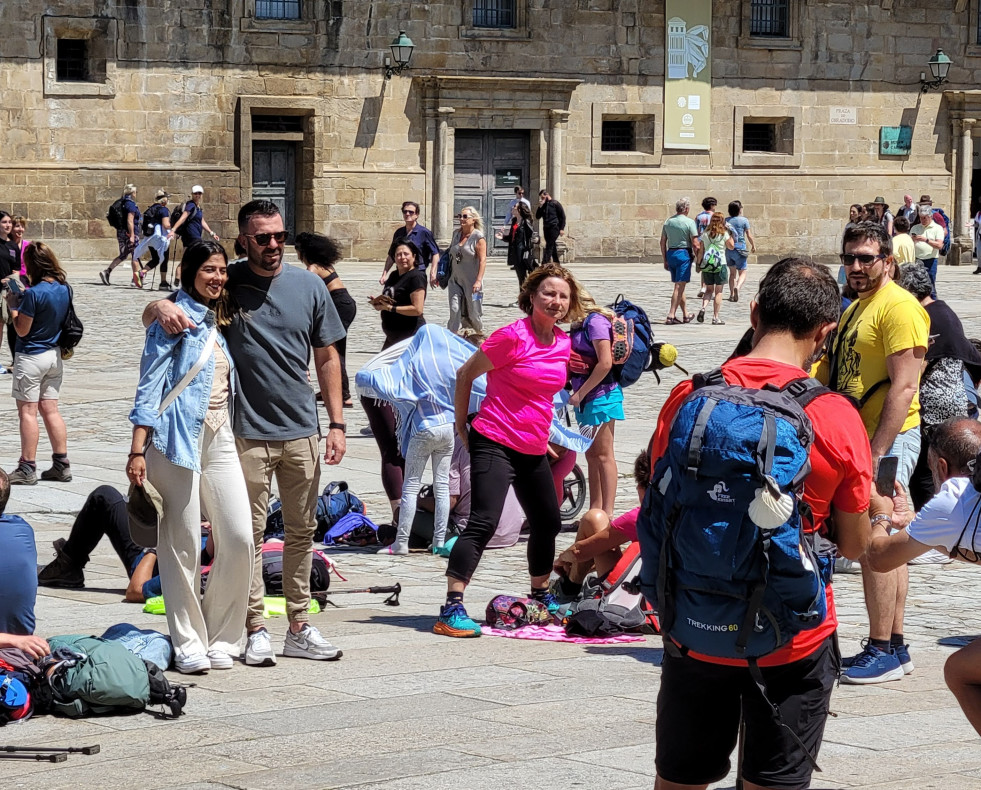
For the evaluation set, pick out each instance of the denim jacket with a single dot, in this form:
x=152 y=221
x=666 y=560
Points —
x=166 y=358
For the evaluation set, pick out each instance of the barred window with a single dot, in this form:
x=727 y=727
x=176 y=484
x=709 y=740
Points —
x=494 y=13
x=277 y=9
x=761 y=137
x=618 y=136
x=770 y=18
x=72 y=60
x=978 y=38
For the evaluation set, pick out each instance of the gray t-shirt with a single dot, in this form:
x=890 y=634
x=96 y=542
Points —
x=279 y=320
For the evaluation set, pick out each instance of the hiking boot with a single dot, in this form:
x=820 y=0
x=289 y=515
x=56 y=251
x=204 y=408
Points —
x=194 y=664
x=60 y=472
x=454 y=621
x=23 y=475
x=219 y=659
x=104 y=276
x=309 y=643
x=259 y=652
x=902 y=653
x=61 y=572
x=873 y=666
x=164 y=286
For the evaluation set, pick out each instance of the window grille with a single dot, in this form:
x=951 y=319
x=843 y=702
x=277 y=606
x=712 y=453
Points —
x=760 y=137
x=277 y=9
x=72 y=62
x=494 y=13
x=618 y=136
x=770 y=18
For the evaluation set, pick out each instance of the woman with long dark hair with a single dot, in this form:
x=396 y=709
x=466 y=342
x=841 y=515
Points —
x=319 y=254
x=519 y=235
x=185 y=446
x=38 y=314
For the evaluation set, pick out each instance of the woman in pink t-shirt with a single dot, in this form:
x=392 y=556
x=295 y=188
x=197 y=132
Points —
x=526 y=363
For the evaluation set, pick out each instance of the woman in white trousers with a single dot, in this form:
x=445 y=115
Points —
x=191 y=460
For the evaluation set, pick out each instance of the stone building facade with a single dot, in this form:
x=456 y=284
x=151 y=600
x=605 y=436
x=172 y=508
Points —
x=568 y=95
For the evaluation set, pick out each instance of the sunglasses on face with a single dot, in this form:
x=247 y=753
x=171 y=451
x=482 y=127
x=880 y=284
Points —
x=463 y=216
x=865 y=260
x=263 y=239
x=408 y=212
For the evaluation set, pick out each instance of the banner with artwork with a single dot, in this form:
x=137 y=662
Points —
x=688 y=74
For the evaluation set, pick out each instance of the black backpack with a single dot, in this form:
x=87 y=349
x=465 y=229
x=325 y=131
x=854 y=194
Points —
x=150 y=219
x=116 y=217
x=175 y=217
x=71 y=327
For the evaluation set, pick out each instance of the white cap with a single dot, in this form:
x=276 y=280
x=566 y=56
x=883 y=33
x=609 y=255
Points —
x=197 y=188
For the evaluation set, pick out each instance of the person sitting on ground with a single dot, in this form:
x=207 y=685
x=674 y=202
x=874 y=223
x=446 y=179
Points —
x=598 y=539
x=104 y=515
x=18 y=584
x=948 y=523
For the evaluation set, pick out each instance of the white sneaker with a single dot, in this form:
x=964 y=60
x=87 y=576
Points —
x=259 y=652
x=219 y=659
x=932 y=557
x=194 y=664
x=308 y=643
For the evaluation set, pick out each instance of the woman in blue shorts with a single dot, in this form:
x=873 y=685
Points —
x=737 y=258
x=598 y=400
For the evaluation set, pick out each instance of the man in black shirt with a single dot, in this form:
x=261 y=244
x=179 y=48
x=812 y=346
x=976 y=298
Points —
x=552 y=215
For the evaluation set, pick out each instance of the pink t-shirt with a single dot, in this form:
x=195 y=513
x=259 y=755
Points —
x=517 y=410
x=626 y=524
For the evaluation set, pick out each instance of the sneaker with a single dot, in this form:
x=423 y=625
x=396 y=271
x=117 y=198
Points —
x=454 y=621
x=551 y=602
x=902 y=653
x=701 y=292
x=164 y=286
x=104 y=276
x=194 y=664
x=219 y=659
x=3 y=370
x=718 y=322
x=309 y=643
x=259 y=652
x=932 y=557
x=61 y=572
x=735 y=294
x=701 y=316
x=58 y=473
x=394 y=549
x=23 y=475
x=873 y=666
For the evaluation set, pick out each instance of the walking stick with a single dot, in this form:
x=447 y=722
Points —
x=392 y=600
x=44 y=754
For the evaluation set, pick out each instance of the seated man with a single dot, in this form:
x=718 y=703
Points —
x=18 y=584
x=949 y=523
x=103 y=514
x=598 y=540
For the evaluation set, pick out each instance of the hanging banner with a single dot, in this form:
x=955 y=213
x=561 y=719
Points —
x=688 y=74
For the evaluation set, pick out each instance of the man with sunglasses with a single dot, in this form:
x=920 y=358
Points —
x=876 y=359
x=419 y=235
x=284 y=312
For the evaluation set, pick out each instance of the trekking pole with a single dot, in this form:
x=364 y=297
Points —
x=392 y=600
x=58 y=750
x=38 y=758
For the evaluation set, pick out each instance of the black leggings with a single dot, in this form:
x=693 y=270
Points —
x=381 y=419
x=156 y=260
x=493 y=469
x=347 y=309
x=104 y=513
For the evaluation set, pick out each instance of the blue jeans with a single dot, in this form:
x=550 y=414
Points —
x=907 y=448
x=931 y=266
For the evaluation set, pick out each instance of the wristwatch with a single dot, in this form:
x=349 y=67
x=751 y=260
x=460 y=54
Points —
x=338 y=426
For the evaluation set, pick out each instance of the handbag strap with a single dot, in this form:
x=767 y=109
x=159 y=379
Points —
x=189 y=376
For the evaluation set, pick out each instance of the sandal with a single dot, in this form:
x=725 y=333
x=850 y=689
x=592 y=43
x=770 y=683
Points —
x=718 y=322
x=672 y=320
x=689 y=318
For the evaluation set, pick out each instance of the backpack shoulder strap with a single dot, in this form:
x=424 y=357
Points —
x=803 y=390
x=712 y=378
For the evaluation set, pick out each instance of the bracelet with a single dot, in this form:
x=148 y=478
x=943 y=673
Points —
x=880 y=518
x=136 y=455
x=338 y=426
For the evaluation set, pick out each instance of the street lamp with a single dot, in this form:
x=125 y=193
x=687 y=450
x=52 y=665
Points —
x=939 y=66
x=402 y=48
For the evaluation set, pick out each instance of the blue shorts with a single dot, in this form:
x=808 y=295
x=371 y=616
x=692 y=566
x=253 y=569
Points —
x=737 y=259
x=679 y=264
x=602 y=409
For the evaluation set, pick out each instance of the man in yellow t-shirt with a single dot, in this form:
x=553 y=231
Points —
x=903 y=249
x=876 y=359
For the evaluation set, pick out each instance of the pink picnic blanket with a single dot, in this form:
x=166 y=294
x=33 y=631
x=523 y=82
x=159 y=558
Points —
x=556 y=633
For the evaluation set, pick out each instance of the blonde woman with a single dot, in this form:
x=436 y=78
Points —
x=597 y=398
x=468 y=259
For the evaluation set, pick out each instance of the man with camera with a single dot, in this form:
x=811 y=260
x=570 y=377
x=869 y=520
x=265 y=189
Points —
x=950 y=523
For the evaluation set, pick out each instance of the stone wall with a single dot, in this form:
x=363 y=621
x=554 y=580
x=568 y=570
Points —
x=181 y=79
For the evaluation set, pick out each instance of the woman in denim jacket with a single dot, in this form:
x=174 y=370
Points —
x=192 y=461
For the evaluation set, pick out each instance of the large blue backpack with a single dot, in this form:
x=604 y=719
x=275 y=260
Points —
x=724 y=586
x=946 y=223
x=632 y=346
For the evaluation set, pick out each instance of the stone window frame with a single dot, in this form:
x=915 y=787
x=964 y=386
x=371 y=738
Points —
x=973 y=48
x=793 y=39
x=767 y=114
x=310 y=14
x=101 y=33
x=521 y=29
x=643 y=115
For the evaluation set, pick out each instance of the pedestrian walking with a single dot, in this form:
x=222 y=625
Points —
x=519 y=234
x=156 y=237
x=552 y=215
x=127 y=235
x=716 y=242
x=679 y=244
x=419 y=235
x=468 y=260
x=737 y=258
x=190 y=225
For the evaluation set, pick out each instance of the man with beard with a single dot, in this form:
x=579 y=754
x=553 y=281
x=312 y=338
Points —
x=876 y=359
x=284 y=311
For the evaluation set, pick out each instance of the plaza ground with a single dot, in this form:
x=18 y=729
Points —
x=404 y=708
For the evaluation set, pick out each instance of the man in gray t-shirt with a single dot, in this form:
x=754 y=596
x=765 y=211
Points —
x=284 y=312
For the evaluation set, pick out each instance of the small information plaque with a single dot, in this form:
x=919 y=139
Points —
x=895 y=140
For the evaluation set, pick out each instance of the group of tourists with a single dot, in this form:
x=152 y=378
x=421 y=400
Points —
x=893 y=399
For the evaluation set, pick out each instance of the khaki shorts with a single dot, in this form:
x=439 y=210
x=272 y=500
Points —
x=38 y=376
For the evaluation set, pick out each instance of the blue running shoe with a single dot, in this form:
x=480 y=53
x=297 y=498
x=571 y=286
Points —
x=873 y=666
x=454 y=621
x=550 y=601
x=902 y=653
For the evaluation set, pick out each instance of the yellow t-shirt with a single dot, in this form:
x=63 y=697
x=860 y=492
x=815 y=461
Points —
x=903 y=249
x=869 y=331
